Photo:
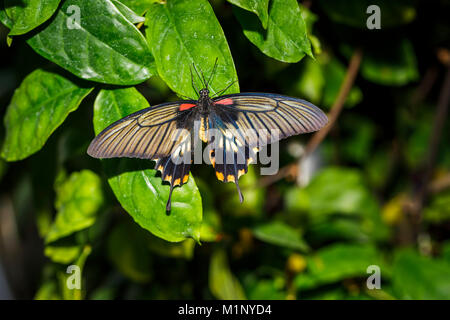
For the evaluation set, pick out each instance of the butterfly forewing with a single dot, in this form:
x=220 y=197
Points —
x=266 y=118
x=147 y=134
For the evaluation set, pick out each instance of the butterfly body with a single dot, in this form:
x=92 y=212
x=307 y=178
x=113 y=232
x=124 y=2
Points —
x=234 y=126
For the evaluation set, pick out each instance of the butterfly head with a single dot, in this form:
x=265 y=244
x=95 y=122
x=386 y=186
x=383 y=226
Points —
x=204 y=93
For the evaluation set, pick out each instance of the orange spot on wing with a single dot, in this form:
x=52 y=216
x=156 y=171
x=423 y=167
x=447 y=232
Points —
x=226 y=101
x=186 y=106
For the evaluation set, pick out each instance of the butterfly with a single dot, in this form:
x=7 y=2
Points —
x=235 y=127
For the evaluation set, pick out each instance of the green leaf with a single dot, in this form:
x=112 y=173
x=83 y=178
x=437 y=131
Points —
x=65 y=278
x=264 y=289
x=139 y=6
x=38 y=107
x=139 y=190
x=396 y=66
x=280 y=234
x=63 y=254
x=127 y=12
x=126 y=249
x=183 y=32
x=438 y=209
x=418 y=277
x=222 y=283
x=78 y=200
x=338 y=262
x=25 y=15
x=7 y=22
x=104 y=46
x=259 y=7
x=286 y=37
x=333 y=190
x=353 y=12
x=48 y=291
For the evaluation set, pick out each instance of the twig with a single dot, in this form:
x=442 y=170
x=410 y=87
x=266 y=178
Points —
x=436 y=135
x=338 y=104
x=439 y=184
x=336 y=109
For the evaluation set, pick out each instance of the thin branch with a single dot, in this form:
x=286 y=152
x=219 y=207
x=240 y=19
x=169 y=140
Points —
x=338 y=104
x=420 y=192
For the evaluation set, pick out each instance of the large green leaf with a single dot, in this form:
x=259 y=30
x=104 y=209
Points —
x=38 y=107
x=418 y=277
x=25 y=15
x=222 y=283
x=183 y=32
x=285 y=39
x=132 y=16
x=338 y=262
x=259 y=7
x=104 y=46
x=139 y=6
x=7 y=22
x=139 y=190
x=281 y=234
x=78 y=200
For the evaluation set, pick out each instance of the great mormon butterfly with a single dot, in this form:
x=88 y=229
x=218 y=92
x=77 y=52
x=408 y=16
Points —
x=234 y=126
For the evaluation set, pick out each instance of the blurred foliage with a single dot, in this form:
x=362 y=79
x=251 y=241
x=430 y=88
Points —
x=309 y=238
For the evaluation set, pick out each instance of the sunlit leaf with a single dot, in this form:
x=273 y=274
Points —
x=185 y=32
x=78 y=199
x=62 y=254
x=127 y=12
x=285 y=39
x=38 y=107
x=25 y=15
x=67 y=280
x=138 y=188
x=259 y=7
x=418 y=277
x=102 y=46
x=280 y=234
x=139 y=6
x=48 y=291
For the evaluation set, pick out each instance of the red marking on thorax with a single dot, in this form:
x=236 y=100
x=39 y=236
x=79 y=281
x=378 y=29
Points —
x=226 y=101
x=186 y=106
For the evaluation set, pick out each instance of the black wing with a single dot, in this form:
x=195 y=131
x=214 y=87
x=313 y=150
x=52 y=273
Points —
x=264 y=118
x=244 y=122
x=161 y=133
x=147 y=134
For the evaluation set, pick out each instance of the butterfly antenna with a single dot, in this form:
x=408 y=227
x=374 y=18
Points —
x=222 y=91
x=212 y=73
x=193 y=83
x=202 y=77
x=241 y=197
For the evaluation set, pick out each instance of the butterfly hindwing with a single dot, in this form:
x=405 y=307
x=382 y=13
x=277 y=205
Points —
x=229 y=155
